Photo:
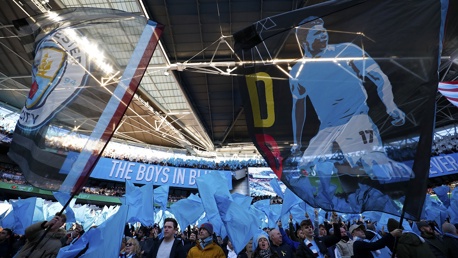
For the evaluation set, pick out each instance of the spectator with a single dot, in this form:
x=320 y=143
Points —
x=48 y=246
x=363 y=249
x=229 y=249
x=146 y=243
x=190 y=242
x=168 y=246
x=264 y=250
x=6 y=243
x=450 y=238
x=277 y=244
x=206 y=247
x=247 y=252
x=72 y=235
x=435 y=242
x=132 y=249
x=410 y=245
x=316 y=246
x=344 y=248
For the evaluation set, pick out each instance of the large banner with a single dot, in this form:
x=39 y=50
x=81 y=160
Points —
x=88 y=63
x=327 y=85
x=143 y=173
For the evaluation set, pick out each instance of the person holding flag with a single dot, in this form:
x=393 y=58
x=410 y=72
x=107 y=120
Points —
x=51 y=243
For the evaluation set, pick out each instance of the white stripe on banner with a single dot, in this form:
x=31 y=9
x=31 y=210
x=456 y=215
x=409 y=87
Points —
x=102 y=131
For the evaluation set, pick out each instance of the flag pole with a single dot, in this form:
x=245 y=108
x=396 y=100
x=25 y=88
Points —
x=401 y=220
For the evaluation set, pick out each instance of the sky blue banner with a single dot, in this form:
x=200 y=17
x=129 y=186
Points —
x=441 y=165
x=142 y=173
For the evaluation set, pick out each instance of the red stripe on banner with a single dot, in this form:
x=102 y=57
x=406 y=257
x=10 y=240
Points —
x=452 y=99
x=122 y=107
x=449 y=90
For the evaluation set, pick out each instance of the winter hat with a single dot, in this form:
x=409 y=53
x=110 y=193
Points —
x=208 y=227
x=392 y=225
x=355 y=226
x=260 y=236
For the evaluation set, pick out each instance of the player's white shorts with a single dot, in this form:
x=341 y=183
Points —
x=356 y=138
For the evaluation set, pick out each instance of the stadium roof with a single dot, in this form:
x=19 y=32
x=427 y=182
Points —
x=189 y=99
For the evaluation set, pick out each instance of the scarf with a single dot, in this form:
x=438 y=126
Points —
x=312 y=247
x=204 y=242
x=265 y=253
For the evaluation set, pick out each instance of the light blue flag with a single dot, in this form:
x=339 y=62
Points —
x=38 y=214
x=240 y=223
x=272 y=212
x=161 y=196
x=3 y=215
x=187 y=211
x=372 y=215
x=89 y=219
x=380 y=201
x=209 y=185
x=99 y=217
x=298 y=213
x=63 y=198
x=75 y=248
x=383 y=221
x=80 y=213
x=276 y=186
x=140 y=203
x=453 y=209
x=442 y=194
x=285 y=221
x=111 y=232
x=242 y=200
x=415 y=229
x=289 y=200
x=8 y=220
x=104 y=240
x=326 y=195
x=274 y=215
x=4 y=208
x=23 y=214
x=50 y=210
x=261 y=217
x=434 y=210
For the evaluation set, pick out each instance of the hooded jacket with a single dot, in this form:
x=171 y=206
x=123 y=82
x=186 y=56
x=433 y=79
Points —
x=411 y=245
x=47 y=248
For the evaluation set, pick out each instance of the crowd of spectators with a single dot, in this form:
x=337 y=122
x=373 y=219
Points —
x=68 y=142
x=6 y=136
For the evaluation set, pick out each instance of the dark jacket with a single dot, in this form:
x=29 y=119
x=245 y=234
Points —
x=188 y=244
x=176 y=252
x=273 y=254
x=147 y=246
x=451 y=241
x=323 y=244
x=436 y=245
x=284 y=250
x=362 y=249
x=412 y=246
